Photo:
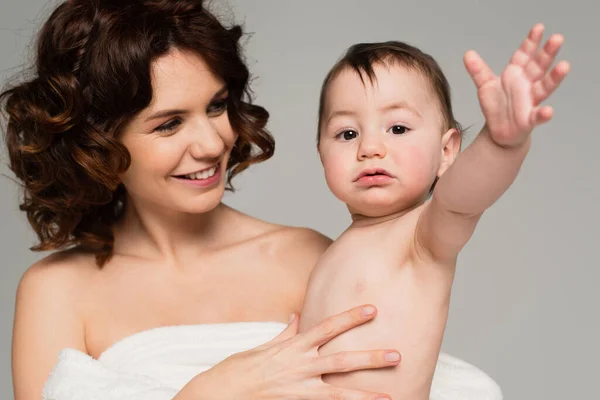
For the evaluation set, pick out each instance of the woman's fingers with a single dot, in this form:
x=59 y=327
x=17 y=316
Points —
x=336 y=325
x=354 y=361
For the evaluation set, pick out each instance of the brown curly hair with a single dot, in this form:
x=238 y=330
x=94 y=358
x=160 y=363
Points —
x=92 y=76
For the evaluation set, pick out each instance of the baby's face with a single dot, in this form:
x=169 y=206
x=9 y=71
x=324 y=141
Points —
x=381 y=143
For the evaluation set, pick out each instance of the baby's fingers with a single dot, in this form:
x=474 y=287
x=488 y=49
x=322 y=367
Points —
x=538 y=66
x=478 y=69
x=544 y=87
x=541 y=115
x=354 y=361
x=528 y=46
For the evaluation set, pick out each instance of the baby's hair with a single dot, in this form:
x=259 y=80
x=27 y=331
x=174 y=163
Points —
x=91 y=77
x=362 y=57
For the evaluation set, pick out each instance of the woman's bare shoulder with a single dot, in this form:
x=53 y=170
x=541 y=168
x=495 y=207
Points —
x=56 y=284
x=299 y=246
x=61 y=268
x=295 y=237
x=302 y=247
x=302 y=239
x=48 y=316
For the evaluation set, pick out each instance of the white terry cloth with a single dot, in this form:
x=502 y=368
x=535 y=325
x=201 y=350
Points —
x=157 y=363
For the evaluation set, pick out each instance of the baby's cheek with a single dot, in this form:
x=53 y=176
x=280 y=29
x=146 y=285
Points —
x=337 y=177
x=419 y=165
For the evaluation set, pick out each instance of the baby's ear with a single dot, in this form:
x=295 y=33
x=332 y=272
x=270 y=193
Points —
x=451 y=141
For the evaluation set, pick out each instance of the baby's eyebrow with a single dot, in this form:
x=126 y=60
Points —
x=341 y=113
x=400 y=105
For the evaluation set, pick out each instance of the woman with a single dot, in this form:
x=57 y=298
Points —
x=125 y=139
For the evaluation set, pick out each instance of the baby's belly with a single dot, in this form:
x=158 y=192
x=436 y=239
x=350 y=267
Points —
x=405 y=316
x=406 y=295
x=412 y=309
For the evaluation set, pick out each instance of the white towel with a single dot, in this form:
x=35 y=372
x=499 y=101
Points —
x=78 y=376
x=157 y=363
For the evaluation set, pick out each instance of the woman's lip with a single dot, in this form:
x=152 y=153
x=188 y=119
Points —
x=202 y=183
x=217 y=166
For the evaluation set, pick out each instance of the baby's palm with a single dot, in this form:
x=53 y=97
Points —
x=511 y=102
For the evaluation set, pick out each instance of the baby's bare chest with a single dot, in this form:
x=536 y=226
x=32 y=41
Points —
x=378 y=269
x=367 y=255
x=359 y=267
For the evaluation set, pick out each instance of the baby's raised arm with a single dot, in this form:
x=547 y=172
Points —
x=511 y=107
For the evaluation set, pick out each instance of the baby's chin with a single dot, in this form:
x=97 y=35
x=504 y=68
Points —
x=383 y=207
x=376 y=209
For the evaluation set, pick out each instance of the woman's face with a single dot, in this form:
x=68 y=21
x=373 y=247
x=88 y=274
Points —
x=181 y=143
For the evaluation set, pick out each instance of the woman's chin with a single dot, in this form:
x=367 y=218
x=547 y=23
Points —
x=202 y=204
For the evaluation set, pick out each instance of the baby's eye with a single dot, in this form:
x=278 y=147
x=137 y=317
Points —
x=168 y=126
x=347 y=134
x=398 y=130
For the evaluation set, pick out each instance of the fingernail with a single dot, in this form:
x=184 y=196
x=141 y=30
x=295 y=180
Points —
x=382 y=398
x=392 y=356
x=368 y=311
x=292 y=318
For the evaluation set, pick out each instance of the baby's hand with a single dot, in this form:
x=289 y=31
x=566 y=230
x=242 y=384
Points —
x=511 y=102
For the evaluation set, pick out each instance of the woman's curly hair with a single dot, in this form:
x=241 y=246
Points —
x=91 y=76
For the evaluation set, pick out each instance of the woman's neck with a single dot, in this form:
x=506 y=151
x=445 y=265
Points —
x=147 y=231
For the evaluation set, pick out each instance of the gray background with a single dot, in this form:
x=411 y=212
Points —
x=524 y=306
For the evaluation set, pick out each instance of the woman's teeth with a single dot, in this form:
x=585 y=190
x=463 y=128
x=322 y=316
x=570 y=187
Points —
x=202 y=175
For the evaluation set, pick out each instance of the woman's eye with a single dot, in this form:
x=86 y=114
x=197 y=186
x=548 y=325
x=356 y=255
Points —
x=347 y=134
x=217 y=107
x=169 y=126
x=398 y=129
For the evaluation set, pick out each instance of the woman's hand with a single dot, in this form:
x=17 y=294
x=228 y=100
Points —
x=290 y=367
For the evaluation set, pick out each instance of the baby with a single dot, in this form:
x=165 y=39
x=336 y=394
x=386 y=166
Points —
x=389 y=145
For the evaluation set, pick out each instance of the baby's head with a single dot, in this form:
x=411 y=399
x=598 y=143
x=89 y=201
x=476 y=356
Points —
x=386 y=127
